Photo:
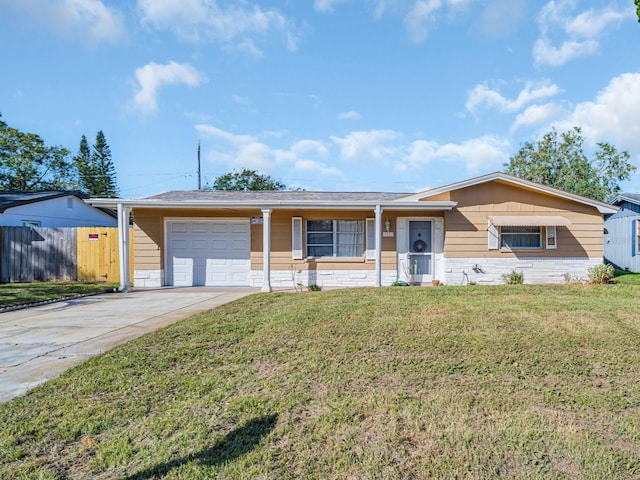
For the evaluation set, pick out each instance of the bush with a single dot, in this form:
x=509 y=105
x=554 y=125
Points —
x=314 y=288
x=399 y=283
x=601 y=274
x=513 y=278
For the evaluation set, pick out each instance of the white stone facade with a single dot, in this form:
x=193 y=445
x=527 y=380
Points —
x=457 y=271
x=489 y=271
x=324 y=278
x=148 y=278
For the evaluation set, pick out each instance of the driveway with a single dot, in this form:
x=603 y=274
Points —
x=38 y=344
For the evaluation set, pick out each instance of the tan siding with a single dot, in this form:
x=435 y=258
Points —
x=466 y=226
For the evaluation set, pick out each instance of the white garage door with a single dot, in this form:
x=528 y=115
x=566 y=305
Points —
x=208 y=252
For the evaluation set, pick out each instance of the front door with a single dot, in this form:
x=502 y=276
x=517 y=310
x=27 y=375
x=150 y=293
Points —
x=420 y=251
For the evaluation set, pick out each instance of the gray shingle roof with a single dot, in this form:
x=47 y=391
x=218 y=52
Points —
x=14 y=198
x=274 y=196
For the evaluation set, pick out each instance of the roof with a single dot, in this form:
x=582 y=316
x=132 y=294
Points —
x=626 y=197
x=277 y=196
x=510 y=179
x=301 y=199
x=15 y=198
x=332 y=200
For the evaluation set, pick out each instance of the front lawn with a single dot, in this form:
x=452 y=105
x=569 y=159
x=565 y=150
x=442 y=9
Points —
x=12 y=294
x=526 y=382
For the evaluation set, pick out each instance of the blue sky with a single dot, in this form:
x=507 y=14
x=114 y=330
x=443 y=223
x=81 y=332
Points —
x=345 y=95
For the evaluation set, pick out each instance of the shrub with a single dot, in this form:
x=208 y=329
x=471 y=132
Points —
x=513 y=278
x=600 y=273
x=314 y=288
x=399 y=283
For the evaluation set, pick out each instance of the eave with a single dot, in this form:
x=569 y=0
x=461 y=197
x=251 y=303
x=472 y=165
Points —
x=210 y=205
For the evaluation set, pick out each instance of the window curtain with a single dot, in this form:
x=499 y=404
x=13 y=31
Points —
x=350 y=236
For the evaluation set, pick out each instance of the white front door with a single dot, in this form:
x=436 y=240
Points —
x=419 y=246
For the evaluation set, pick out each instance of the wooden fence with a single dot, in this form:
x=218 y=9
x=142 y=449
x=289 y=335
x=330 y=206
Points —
x=71 y=253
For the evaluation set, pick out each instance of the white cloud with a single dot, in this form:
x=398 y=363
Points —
x=612 y=116
x=89 y=20
x=538 y=114
x=545 y=53
x=482 y=95
x=248 y=151
x=372 y=144
x=417 y=18
x=152 y=77
x=326 y=6
x=351 y=115
x=579 y=34
x=238 y=25
x=476 y=154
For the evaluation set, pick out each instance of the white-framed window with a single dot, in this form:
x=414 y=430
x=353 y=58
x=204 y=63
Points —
x=335 y=238
x=521 y=238
x=552 y=238
x=31 y=223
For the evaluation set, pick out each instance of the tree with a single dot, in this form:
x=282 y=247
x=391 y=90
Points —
x=100 y=173
x=246 y=180
x=82 y=162
x=637 y=2
x=26 y=163
x=558 y=160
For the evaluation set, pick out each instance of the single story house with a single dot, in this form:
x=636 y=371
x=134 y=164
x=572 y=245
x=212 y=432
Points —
x=470 y=231
x=67 y=208
x=622 y=233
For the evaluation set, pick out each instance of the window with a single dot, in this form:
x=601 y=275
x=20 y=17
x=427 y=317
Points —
x=335 y=238
x=516 y=238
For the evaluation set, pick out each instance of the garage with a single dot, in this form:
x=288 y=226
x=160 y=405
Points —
x=208 y=252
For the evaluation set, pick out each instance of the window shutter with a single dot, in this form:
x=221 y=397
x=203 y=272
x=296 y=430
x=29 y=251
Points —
x=296 y=240
x=552 y=238
x=492 y=237
x=371 y=239
x=634 y=237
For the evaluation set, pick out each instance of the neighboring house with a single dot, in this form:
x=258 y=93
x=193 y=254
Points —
x=51 y=209
x=470 y=231
x=622 y=233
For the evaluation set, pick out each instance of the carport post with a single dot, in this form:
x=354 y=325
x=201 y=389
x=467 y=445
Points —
x=266 y=250
x=123 y=244
x=378 y=211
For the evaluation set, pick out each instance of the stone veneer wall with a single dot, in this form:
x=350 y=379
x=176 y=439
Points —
x=148 y=278
x=283 y=279
x=488 y=271
x=324 y=278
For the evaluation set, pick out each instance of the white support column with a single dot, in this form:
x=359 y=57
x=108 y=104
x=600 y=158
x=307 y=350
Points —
x=123 y=247
x=378 y=212
x=266 y=250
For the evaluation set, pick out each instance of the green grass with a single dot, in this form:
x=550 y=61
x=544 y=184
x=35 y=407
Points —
x=519 y=382
x=626 y=278
x=12 y=294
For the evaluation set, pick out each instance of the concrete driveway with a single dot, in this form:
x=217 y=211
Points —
x=38 y=344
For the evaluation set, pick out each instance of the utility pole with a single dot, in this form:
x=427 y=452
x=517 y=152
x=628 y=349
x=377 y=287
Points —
x=199 y=177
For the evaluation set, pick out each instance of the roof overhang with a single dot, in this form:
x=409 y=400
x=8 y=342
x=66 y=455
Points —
x=288 y=205
x=529 y=221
